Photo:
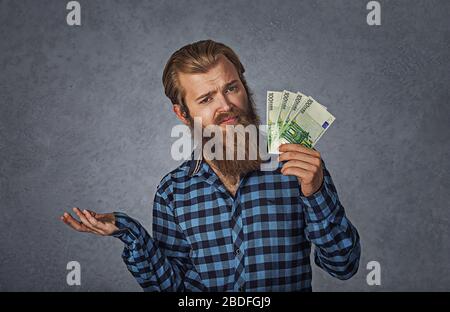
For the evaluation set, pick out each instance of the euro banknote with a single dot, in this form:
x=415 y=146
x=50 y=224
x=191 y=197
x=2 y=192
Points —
x=293 y=117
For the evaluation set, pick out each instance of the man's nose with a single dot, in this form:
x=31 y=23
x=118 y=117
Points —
x=224 y=103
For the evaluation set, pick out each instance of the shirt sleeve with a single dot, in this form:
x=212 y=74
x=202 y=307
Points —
x=159 y=263
x=336 y=240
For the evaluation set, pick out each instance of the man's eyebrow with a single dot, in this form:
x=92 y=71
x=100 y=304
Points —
x=230 y=83
x=211 y=92
x=204 y=95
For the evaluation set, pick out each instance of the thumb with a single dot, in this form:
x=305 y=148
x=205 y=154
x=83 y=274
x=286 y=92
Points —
x=94 y=214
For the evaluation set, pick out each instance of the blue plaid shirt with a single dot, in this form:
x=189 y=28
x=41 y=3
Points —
x=204 y=239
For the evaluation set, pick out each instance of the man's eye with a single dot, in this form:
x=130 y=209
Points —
x=232 y=88
x=206 y=100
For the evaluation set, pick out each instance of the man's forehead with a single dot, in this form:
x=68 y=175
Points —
x=221 y=73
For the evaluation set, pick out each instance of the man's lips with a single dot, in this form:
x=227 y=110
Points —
x=229 y=120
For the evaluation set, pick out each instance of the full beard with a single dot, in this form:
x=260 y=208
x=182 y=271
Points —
x=239 y=164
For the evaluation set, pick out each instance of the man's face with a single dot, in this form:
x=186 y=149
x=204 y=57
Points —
x=218 y=96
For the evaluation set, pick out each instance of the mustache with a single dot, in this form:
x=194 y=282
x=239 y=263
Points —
x=234 y=112
x=224 y=116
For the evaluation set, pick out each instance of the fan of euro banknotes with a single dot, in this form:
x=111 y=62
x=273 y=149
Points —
x=293 y=117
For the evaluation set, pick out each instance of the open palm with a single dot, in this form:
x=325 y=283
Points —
x=91 y=222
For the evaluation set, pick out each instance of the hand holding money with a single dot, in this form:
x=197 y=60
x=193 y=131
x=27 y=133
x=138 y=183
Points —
x=300 y=121
x=305 y=164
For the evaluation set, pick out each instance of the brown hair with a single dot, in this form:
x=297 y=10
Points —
x=197 y=57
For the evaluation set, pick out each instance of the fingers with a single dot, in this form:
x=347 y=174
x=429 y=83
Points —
x=92 y=213
x=97 y=216
x=85 y=221
x=95 y=223
x=303 y=174
x=300 y=164
x=287 y=156
x=70 y=221
x=101 y=224
x=291 y=147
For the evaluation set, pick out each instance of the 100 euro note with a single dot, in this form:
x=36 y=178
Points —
x=307 y=125
x=297 y=103
x=279 y=105
x=272 y=112
x=287 y=102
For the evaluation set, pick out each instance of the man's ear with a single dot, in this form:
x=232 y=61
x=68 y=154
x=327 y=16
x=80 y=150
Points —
x=181 y=113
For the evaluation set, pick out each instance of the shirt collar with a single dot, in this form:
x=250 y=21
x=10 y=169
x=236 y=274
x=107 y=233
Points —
x=195 y=164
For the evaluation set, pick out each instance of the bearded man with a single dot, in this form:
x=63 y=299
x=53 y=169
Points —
x=225 y=224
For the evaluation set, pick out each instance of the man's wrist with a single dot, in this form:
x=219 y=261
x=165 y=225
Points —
x=320 y=204
x=124 y=233
x=319 y=189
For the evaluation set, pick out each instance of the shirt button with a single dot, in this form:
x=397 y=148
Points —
x=237 y=252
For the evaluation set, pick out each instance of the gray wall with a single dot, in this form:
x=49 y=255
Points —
x=84 y=122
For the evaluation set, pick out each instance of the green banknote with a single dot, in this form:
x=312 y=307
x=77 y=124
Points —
x=287 y=101
x=299 y=119
x=272 y=112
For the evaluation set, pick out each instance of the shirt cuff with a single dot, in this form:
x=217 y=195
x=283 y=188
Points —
x=322 y=203
x=124 y=232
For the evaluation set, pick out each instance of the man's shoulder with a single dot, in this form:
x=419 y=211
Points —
x=178 y=175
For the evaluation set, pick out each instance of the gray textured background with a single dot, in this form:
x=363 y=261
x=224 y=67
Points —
x=84 y=122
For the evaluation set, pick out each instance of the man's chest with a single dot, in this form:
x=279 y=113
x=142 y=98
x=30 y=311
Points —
x=263 y=210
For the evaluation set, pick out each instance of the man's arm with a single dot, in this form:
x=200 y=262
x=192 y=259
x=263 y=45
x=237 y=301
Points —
x=337 y=241
x=161 y=262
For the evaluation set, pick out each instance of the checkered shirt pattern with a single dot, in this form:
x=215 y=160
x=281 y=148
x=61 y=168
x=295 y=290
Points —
x=205 y=239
